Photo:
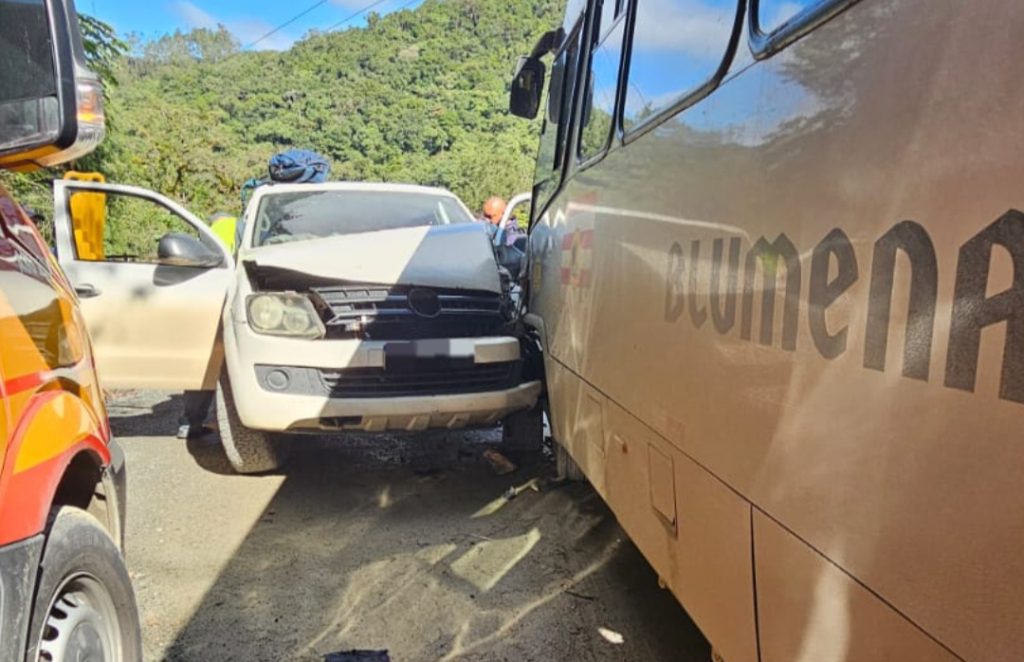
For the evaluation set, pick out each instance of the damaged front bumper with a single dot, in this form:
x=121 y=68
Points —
x=285 y=384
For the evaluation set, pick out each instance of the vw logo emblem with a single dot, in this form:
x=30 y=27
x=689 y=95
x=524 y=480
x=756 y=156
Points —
x=424 y=303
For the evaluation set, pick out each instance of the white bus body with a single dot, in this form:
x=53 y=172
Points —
x=777 y=264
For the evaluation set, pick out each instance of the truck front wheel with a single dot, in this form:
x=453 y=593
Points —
x=249 y=451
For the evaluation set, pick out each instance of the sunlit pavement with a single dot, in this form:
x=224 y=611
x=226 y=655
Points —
x=401 y=544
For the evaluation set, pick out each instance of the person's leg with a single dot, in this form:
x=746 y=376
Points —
x=196 y=408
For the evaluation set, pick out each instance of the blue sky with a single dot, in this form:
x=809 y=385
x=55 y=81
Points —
x=247 y=20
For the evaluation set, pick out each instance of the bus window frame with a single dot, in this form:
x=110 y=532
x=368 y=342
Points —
x=561 y=172
x=585 y=161
x=689 y=99
x=603 y=30
x=763 y=44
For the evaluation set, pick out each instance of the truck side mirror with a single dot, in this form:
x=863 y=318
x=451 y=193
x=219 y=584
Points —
x=527 y=86
x=184 y=250
x=51 y=105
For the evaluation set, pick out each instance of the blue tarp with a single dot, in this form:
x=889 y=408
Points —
x=299 y=166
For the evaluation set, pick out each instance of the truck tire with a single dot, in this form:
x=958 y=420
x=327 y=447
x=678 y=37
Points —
x=249 y=451
x=523 y=431
x=85 y=608
x=566 y=466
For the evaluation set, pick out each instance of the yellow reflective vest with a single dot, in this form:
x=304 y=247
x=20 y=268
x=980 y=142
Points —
x=224 y=227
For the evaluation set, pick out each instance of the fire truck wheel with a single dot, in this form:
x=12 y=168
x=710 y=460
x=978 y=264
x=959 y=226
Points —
x=85 y=607
x=249 y=451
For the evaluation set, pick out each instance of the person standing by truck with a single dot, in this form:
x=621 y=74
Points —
x=225 y=226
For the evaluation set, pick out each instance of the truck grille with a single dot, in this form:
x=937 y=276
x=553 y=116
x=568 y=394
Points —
x=376 y=312
x=383 y=383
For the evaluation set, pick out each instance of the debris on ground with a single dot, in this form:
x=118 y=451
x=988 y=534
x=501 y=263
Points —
x=611 y=636
x=515 y=490
x=500 y=464
x=358 y=656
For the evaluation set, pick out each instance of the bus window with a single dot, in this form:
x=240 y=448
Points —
x=557 y=113
x=602 y=87
x=774 y=24
x=610 y=10
x=678 y=47
x=773 y=14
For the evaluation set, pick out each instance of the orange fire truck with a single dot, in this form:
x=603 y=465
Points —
x=64 y=591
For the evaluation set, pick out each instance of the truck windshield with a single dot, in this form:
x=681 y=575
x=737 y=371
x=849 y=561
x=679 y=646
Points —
x=296 y=216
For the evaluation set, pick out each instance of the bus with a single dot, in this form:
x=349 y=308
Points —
x=776 y=261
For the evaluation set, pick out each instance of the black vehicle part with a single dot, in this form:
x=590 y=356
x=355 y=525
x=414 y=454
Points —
x=398 y=312
x=19 y=563
x=523 y=430
x=419 y=377
x=358 y=656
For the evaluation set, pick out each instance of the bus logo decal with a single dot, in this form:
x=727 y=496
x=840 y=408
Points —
x=577 y=255
x=833 y=271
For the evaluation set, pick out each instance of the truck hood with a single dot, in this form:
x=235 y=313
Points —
x=444 y=256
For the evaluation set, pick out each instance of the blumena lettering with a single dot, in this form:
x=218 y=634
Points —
x=972 y=310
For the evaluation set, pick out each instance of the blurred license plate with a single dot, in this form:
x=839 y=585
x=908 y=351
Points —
x=422 y=353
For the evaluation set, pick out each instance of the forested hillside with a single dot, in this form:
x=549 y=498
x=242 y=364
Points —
x=416 y=96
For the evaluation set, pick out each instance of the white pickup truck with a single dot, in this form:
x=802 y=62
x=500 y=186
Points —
x=349 y=306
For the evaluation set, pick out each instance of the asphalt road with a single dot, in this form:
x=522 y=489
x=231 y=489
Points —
x=404 y=544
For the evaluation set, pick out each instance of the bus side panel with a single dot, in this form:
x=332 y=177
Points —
x=693 y=529
x=810 y=610
x=578 y=423
x=888 y=126
x=562 y=242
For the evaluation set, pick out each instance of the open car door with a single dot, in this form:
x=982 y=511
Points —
x=518 y=208
x=152 y=279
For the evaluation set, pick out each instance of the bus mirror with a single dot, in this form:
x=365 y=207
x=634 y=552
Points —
x=51 y=105
x=527 y=85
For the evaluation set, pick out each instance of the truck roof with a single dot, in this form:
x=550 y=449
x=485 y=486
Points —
x=385 y=187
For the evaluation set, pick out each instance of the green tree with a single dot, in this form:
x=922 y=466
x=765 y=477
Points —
x=415 y=96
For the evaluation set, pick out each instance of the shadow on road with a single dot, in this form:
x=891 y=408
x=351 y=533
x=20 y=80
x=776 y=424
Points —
x=361 y=552
x=136 y=414
x=407 y=544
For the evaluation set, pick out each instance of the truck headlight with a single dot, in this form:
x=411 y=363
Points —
x=284 y=314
